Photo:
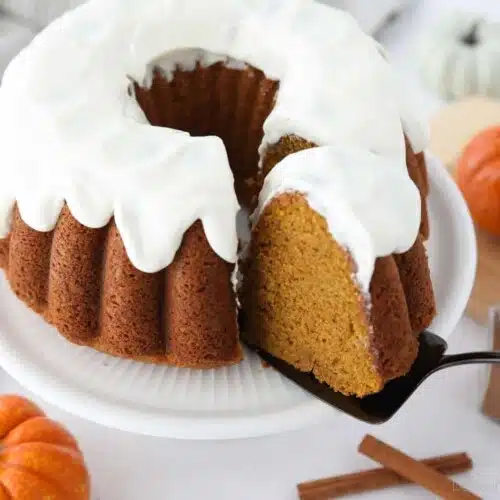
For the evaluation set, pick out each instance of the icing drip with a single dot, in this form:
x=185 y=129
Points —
x=72 y=131
x=186 y=60
x=370 y=204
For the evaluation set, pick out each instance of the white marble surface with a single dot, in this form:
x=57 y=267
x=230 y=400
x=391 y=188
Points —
x=443 y=417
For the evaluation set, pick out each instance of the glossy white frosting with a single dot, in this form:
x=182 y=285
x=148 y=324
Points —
x=72 y=132
x=371 y=206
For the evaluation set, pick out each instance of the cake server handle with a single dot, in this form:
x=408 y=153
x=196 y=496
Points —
x=468 y=358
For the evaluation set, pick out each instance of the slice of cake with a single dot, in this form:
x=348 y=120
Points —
x=321 y=288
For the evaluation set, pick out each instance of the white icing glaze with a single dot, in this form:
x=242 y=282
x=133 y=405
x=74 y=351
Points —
x=187 y=59
x=72 y=132
x=371 y=206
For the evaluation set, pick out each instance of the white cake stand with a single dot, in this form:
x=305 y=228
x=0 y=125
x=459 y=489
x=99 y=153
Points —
x=241 y=401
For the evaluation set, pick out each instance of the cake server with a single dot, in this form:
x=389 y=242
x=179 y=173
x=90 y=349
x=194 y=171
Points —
x=381 y=407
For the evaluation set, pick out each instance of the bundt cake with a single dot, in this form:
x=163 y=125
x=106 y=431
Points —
x=134 y=134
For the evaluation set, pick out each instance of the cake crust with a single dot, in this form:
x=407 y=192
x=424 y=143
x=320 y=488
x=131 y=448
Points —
x=81 y=281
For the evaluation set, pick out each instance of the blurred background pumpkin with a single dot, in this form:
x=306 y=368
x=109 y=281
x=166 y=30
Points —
x=478 y=176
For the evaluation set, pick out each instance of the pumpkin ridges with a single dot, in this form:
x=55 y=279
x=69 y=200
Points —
x=478 y=180
x=474 y=162
x=4 y=494
x=39 y=458
x=478 y=177
x=14 y=410
x=21 y=483
x=41 y=430
x=57 y=465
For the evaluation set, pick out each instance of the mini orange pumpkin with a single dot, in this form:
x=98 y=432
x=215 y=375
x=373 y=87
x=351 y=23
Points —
x=478 y=177
x=39 y=458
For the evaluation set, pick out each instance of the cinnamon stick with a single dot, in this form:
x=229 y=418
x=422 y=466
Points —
x=491 y=403
x=413 y=470
x=376 y=479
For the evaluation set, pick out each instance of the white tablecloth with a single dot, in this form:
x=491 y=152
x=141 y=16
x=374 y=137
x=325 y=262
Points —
x=443 y=417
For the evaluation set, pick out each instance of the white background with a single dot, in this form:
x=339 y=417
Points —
x=443 y=417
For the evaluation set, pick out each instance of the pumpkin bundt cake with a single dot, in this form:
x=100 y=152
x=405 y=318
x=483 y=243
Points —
x=322 y=287
x=135 y=132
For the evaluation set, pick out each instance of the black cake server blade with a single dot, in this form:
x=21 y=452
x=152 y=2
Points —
x=381 y=407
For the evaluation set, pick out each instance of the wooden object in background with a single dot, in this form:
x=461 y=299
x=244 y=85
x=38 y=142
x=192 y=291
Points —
x=451 y=129
x=491 y=404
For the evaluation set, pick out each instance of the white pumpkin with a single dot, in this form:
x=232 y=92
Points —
x=461 y=57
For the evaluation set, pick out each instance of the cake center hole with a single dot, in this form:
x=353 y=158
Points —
x=228 y=99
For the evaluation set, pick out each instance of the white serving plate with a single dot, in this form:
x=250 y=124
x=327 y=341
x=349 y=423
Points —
x=241 y=401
